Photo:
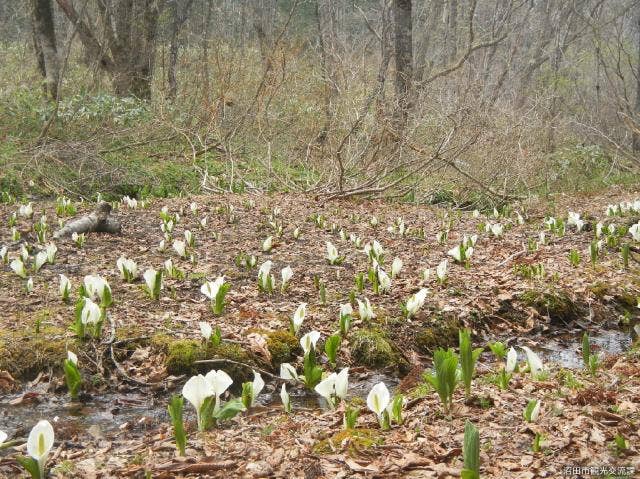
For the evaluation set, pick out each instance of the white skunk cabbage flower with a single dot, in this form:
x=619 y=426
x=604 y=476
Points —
x=332 y=253
x=257 y=387
x=415 y=302
x=287 y=371
x=219 y=382
x=264 y=275
x=497 y=229
x=205 y=330
x=180 y=247
x=39 y=444
x=210 y=288
x=285 y=398
x=26 y=210
x=512 y=360
x=634 y=231
x=97 y=287
x=334 y=386
x=574 y=219
x=41 y=259
x=128 y=268
x=365 y=310
x=65 y=287
x=396 y=266
x=298 y=317
x=196 y=390
x=309 y=341
x=267 y=244
x=378 y=398
x=71 y=356
x=91 y=312
x=287 y=274
x=441 y=270
x=51 y=250
x=18 y=268
x=384 y=280
x=533 y=360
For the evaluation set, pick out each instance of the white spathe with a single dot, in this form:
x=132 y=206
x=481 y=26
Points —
x=205 y=330
x=378 y=398
x=309 y=341
x=219 y=381
x=534 y=361
x=365 y=310
x=210 y=288
x=40 y=442
x=298 y=317
x=512 y=359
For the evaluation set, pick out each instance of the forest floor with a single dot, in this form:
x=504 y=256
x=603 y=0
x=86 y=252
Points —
x=120 y=427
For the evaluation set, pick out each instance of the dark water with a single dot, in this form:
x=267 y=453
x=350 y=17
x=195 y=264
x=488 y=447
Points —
x=133 y=414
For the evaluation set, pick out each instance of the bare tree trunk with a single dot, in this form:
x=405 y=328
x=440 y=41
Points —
x=452 y=32
x=178 y=17
x=46 y=49
x=404 y=61
x=636 y=137
x=325 y=15
x=128 y=52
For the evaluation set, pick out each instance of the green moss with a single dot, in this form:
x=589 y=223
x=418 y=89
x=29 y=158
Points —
x=24 y=354
x=599 y=289
x=182 y=354
x=442 y=332
x=283 y=346
x=371 y=348
x=353 y=441
x=555 y=304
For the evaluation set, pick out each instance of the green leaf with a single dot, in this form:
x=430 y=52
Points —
x=176 y=406
x=230 y=410
x=331 y=348
x=468 y=358
x=31 y=466
x=471 y=451
x=247 y=394
x=73 y=377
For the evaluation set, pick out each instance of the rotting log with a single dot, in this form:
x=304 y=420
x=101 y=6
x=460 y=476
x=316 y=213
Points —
x=99 y=221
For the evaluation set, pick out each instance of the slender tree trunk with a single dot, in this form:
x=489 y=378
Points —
x=404 y=61
x=46 y=49
x=325 y=15
x=636 y=137
x=452 y=32
x=178 y=17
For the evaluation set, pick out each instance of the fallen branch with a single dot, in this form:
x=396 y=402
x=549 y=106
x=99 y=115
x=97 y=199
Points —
x=99 y=221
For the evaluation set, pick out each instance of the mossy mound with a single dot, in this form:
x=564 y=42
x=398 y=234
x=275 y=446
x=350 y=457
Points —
x=623 y=299
x=371 y=348
x=352 y=441
x=556 y=304
x=24 y=354
x=182 y=354
x=283 y=346
x=442 y=332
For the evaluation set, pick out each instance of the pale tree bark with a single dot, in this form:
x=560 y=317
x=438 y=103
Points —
x=404 y=61
x=636 y=137
x=327 y=38
x=179 y=11
x=128 y=52
x=45 y=44
x=451 y=38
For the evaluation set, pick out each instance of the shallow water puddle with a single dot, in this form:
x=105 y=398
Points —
x=136 y=413
x=566 y=348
